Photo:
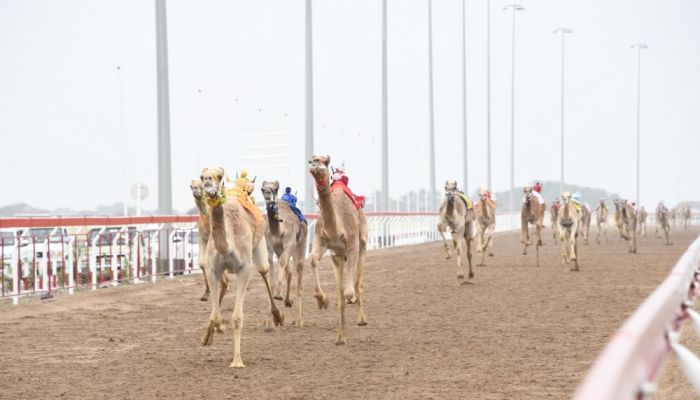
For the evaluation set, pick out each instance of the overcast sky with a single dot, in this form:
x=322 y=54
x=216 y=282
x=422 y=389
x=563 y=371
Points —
x=63 y=144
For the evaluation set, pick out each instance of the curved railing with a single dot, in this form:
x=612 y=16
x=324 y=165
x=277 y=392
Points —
x=631 y=363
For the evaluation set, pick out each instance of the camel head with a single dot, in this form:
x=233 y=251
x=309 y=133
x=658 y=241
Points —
x=213 y=182
x=565 y=197
x=196 y=187
x=269 y=190
x=450 y=189
x=528 y=193
x=619 y=204
x=483 y=195
x=318 y=167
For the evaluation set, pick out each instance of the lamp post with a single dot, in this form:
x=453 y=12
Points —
x=514 y=8
x=563 y=32
x=639 y=47
x=431 y=188
x=385 y=121
x=309 y=203
x=465 y=182
x=488 y=94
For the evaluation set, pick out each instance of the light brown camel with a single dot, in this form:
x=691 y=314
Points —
x=585 y=223
x=204 y=229
x=662 y=221
x=642 y=221
x=569 y=224
x=601 y=212
x=485 y=224
x=285 y=237
x=531 y=213
x=342 y=229
x=626 y=219
x=237 y=245
x=554 y=218
x=687 y=215
x=455 y=215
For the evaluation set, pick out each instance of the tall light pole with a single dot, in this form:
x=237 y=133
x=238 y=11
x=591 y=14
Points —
x=431 y=189
x=385 y=121
x=488 y=95
x=465 y=184
x=563 y=32
x=639 y=47
x=165 y=203
x=309 y=204
x=125 y=187
x=514 y=8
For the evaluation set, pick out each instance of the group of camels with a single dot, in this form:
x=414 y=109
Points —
x=570 y=220
x=233 y=239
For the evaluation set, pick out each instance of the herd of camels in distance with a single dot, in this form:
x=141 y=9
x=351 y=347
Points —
x=236 y=238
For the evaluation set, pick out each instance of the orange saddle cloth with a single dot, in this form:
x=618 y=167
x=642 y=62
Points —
x=246 y=203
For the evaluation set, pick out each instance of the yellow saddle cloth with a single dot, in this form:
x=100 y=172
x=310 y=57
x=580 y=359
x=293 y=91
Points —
x=466 y=200
x=245 y=202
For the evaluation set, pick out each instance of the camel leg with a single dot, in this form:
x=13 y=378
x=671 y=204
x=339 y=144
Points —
x=468 y=238
x=575 y=254
x=237 y=317
x=441 y=229
x=213 y=275
x=260 y=259
x=299 y=261
x=351 y=259
x=338 y=263
x=457 y=243
x=538 y=230
x=203 y=267
x=316 y=253
x=489 y=239
x=275 y=271
x=224 y=287
x=286 y=272
x=361 y=317
x=524 y=236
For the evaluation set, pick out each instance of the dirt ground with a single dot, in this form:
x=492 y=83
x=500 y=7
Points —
x=515 y=331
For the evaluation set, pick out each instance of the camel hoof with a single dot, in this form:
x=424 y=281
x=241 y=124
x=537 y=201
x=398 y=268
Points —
x=237 y=364
x=352 y=300
x=574 y=269
x=490 y=254
x=340 y=341
x=471 y=275
x=447 y=257
x=205 y=297
x=322 y=301
x=299 y=323
x=220 y=329
x=277 y=317
x=361 y=322
x=460 y=276
x=288 y=303
x=524 y=253
x=277 y=297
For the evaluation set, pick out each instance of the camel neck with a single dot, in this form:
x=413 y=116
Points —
x=450 y=207
x=218 y=229
x=273 y=218
x=324 y=202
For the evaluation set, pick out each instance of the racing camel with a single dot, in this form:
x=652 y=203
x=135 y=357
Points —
x=626 y=219
x=601 y=220
x=485 y=224
x=457 y=214
x=569 y=223
x=531 y=213
x=342 y=229
x=237 y=245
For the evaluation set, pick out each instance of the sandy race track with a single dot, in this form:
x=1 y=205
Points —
x=515 y=331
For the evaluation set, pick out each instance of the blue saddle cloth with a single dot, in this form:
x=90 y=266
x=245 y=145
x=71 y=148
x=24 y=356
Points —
x=292 y=200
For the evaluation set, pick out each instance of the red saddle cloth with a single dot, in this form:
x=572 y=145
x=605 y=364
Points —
x=358 y=201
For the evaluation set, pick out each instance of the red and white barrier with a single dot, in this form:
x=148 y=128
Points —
x=631 y=363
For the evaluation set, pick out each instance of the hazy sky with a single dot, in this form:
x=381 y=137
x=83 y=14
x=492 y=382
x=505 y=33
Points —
x=62 y=145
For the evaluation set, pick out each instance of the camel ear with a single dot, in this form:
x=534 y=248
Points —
x=327 y=160
x=221 y=173
x=277 y=185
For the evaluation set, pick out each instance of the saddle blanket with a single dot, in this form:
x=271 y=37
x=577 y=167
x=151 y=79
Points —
x=246 y=203
x=467 y=201
x=358 y=201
